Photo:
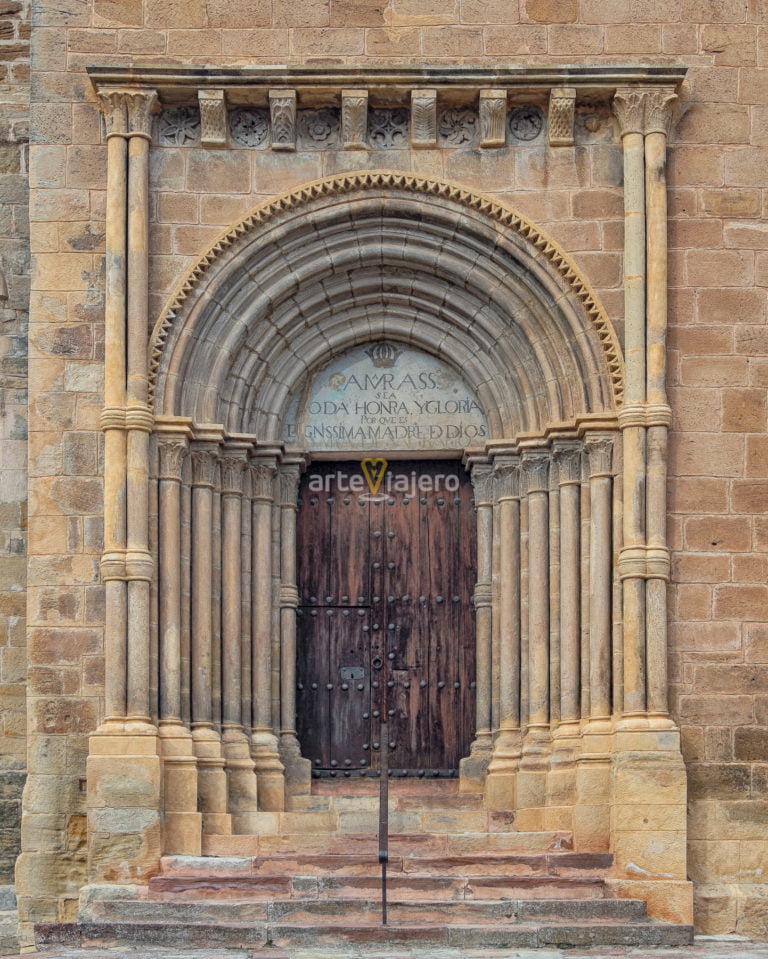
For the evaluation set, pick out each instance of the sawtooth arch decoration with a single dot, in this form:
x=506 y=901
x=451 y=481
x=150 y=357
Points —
x=380 y=254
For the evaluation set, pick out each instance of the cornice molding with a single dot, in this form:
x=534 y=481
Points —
x=173 y=79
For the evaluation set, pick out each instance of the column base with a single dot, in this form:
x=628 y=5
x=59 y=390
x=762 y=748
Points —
x=124 y=776
x=298 y=770
x=211 y=781
x=270 y=772
x=182 y=823
x=592 y=812
x=473 y=769
x=501 y=780
x=649 y=814
x=242 y=791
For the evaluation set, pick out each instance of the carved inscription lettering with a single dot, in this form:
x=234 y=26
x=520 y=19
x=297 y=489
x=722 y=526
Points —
x=386 y=396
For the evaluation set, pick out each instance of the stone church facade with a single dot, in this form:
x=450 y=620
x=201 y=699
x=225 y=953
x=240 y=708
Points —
x=513 y=247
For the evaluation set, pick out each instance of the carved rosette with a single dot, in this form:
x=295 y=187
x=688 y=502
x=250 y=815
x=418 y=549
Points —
x=482 y=481
x=282 y=106
x=213 y=118
x=536 y=472
x=262 y=481
x=600 y=454
x=232 y=466
x=171 y=454
x=354 y=119
x=204 y=463
x=458 y=127
x=424 y=118
x=507 y=475
x=288 y=477
x=567 y=461
x=493 y=115
x=562 y=106
x=629 y=109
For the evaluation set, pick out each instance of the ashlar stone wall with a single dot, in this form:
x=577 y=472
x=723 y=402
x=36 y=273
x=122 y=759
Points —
x=718 y=340
x=14 y=295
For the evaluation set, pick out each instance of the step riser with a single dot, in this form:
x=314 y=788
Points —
x=492 y=936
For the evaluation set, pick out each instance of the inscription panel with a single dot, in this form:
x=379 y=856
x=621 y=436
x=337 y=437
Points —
x=385 y=396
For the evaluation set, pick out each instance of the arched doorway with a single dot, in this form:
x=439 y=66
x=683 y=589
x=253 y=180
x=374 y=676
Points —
x=380 y=262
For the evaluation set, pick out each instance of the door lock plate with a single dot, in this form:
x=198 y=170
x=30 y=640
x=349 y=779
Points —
x=352 y=672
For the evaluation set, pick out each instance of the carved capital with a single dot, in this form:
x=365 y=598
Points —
x=171 y=453
x=600 y=453
x=567 y=460
x=482 y=480
x=142 y=104
x=204 y=462
x=562 y=108
x=115 y=109
x=354 y=119
x=629 y=109
x=493 y=117
x=213 y=118
x=262 y=480
x=288 y=476
x=536 y=472
x=507 y=476
x=424 y=118
x=658 y=110
x=232 y=465
x=282 y=106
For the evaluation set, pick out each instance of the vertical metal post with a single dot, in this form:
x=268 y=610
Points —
x=384 y=811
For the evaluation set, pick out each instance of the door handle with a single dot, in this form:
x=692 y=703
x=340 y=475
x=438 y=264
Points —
x=377 y=662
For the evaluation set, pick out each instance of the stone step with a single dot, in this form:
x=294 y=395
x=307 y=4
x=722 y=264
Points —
x=499 y=934
x=400 y=842
x=455 y=889
x=566 y=864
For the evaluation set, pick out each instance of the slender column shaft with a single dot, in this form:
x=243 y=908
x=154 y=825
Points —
x=269 y=768
x=231 y=585
x=538 y=587
x=555 y=651
x=171 y=458
x=658 y=117
x=113 y=419
x=138 y=418
x=629 y=106
x=186 y=595
x=245 y=615
x=509 y=599
x=289 y=598
x=569 y=467
x=482 y=477
x=600 y=582
x=217 y=652
x=202 y=586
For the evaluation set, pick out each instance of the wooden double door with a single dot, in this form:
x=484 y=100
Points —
x=386 y=624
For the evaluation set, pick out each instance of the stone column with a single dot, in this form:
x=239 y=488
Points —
x=500 y=786
x=561 y=779
x=629 y=107
x=658 y=415
x=139 y=419
x=593 y=782
x=124 y=767
x=115 y=111
x=531 y=779
x=266 y=755
x=182 y=822
x=298 y=771
x=212 y=779
x=241 y=777
x=473 y=767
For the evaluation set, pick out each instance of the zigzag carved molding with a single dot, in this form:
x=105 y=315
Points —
x=407 y=183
